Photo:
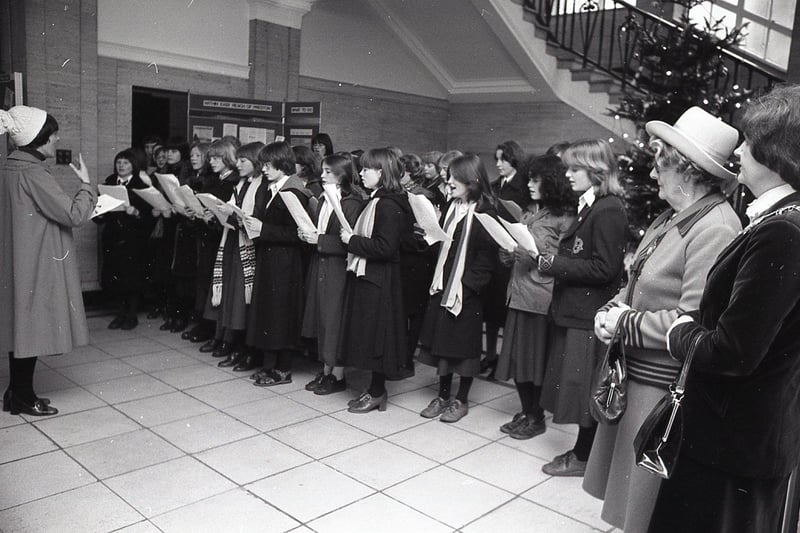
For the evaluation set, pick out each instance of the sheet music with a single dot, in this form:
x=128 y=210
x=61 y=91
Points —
x=170 y=184
x=220 y=209
x=521 y=235
x=298 y=212
x=329 y=190
x=426 y=217
x=154 y=198
x=120 y=192
x=496 y=231
x=107 y=203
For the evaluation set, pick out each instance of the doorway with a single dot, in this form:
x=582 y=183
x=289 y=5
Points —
x=158 y=112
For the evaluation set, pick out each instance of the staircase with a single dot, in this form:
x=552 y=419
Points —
x=601 y=46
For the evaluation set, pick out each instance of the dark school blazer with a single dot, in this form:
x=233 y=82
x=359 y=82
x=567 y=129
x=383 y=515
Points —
x=742 y=403
x=515 y=190
x=589 y=264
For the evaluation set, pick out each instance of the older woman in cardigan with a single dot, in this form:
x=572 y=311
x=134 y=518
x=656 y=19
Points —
x=742 y=408
x=668 y=274
x=41 y=305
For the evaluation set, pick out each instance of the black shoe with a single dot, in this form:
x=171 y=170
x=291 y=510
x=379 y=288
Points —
x=528 y=428
x=273 y=377
x=330 y=385
x=129 y=323
x=7 y=401
x=116 y=323
x=38 y=408
x=211 y=345
x=187 y=335
x=223 y=350
x=178 y=325
x=200 y=336
x=233 y=359
x=167 y=325
x=250 y=362
x=314 y=384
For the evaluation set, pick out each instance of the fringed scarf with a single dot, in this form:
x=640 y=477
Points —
x=453 y=296
x=325 y=212
x=363 y=227
x=247 y=250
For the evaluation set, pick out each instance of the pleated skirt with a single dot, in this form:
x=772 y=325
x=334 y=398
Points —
x=524 y=354
x=571 y=359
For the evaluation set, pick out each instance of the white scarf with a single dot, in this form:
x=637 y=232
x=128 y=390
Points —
x=453 y=296
x=363 y=227
x=326 y=211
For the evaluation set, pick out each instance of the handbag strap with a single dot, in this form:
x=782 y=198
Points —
x=680 y=383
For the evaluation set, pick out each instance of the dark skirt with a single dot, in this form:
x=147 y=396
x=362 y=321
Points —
x=208 y=243
x=571 y=358
x=373 y=335
x=322 y=320
x=232 y=310
x=702 y=499
x=524 y=353
x=494 y=296
x=456 y=337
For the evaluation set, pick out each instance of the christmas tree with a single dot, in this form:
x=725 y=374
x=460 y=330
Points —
x=675 y=69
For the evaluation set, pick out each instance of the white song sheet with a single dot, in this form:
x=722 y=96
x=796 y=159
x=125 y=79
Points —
x=426 y=217
x=220 y=209
x=521 y=235
x=187 y=195
x=298 y=212
x=496 y=231
x=154 y=198
x=107 y=203
x=120 y=192
x=170 y=184
x=329 y=190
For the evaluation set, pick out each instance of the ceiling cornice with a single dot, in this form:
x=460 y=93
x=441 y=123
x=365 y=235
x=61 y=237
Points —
x=283 y=12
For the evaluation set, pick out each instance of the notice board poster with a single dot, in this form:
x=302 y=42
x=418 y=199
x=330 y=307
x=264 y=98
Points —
x=302 y=122
x=213 y=117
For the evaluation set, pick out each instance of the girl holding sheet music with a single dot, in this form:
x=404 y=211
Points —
x=218 y=181
x=451 y=334
x=234 y=262
x=124 y=239
x=327 y=273
x=523 y=356
x=588 y=271
x=276 y=312
x=373 y=335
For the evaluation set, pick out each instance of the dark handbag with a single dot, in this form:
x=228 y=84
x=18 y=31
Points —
x=658 y=442
x=609 y=386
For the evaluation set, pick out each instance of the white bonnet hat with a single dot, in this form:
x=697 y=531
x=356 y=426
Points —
x=23 y=123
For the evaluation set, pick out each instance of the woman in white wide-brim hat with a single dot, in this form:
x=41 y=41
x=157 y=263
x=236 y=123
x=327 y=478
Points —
x=668 y=275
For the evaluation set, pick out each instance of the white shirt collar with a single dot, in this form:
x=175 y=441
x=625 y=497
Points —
x=506 y=179
x=277 y=185
x=124 y=181
x=760 y=205
x=586 y=199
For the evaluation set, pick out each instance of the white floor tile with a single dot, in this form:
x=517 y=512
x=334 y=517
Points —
x=566 y=496
x=159 y=410
x=377 y=512
x=129 y=388
x=545 y=446
x=153 y=362
x=86 y=426
x=272 y=413
x=321 y=436
x=89 y=508
x=368 y=463
x=309 y=491
x=133 y=346
x=191 y=376
x=229 y=393
x=394 y=420
x=522 y=516
x=167 y=486
x=78 y=356
x=236 y=510
x=98 y=371
x=123 y=453
x=69 y=401
x=17 y=442
x=449 y=496
x=503 y=467
x=40 y=476
x=205 y=431
x=438 y=441
x=252 y=459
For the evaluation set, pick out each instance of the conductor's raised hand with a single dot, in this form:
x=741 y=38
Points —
x=81 y=171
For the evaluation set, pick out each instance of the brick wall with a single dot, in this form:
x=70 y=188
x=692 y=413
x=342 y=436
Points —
x=364 y=117
x=535 y=126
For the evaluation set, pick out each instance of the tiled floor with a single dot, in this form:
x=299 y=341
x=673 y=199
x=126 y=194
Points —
x=152 y=436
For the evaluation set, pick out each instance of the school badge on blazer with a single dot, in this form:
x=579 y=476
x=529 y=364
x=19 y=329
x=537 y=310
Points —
x=577 y=247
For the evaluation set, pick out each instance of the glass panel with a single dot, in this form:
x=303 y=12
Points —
x=755 y=41
x=728 y=18
x=783 y=12
x=759 y=7
x=778 y=49
x=698 y=14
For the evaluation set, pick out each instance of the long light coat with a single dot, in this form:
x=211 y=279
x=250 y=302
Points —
x=41 y=305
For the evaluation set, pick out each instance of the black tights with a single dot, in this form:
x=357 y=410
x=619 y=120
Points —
x=129 y=304
x=529 y=395
x=377 y=386
x=21 y=377
x=583 y=446
x=446 y=382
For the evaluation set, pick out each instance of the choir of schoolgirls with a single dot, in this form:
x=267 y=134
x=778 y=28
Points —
x=366 y=286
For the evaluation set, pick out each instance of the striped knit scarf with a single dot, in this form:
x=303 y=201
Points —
x=247 y=250
x=363 y=227
x=453 y=295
